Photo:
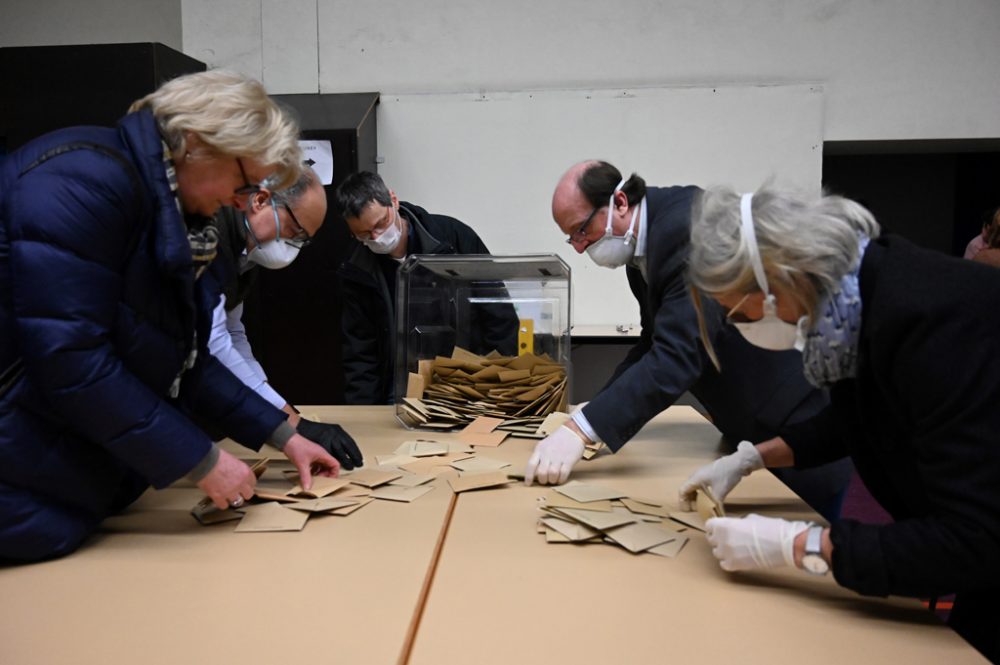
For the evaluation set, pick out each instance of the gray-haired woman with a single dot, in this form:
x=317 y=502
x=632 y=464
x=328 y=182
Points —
x=911 y=353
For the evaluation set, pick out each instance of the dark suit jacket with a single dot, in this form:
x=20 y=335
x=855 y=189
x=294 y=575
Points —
x=757 y=393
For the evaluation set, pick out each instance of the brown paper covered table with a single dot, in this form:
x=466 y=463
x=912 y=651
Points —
x=446 y=580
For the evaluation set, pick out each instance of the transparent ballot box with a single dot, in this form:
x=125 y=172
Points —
x=481 y=336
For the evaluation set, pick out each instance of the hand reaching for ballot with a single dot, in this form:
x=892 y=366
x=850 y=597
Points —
x=230 y=480
x=722 y=475
x=554 y=457
x=310 y=459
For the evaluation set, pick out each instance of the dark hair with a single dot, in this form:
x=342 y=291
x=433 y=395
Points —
x=359 y=190
x=597 y=183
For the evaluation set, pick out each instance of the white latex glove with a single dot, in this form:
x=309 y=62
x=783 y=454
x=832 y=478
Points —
x=753 y=541
x=722 y=475
x=554 y=457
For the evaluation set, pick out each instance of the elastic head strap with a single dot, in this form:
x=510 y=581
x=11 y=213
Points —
x=746 y=221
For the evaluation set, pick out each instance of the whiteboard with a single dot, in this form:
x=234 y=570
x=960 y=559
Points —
x=492 y=159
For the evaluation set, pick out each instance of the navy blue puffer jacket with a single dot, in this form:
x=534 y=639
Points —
x=99 y=309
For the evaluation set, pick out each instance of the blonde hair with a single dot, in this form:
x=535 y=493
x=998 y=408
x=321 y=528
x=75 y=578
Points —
x=232 y=115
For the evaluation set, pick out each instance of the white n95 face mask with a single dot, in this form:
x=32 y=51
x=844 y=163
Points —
x=769 y=332
x=273 y=254
x=613 y=251
x=388 y=240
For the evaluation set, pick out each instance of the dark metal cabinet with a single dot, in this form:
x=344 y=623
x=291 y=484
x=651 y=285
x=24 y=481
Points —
x=50 y=87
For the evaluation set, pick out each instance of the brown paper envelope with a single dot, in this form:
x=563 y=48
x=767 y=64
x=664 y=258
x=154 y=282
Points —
x=416 y=404
x=489 y=373
x=586 y=492
x=638 y=516
x=323 y=505
x=398 y=493
x=458 y=353
x=486 y=439
x=532 y=395
x=707 y=506
x=450 y=363
x=347 y=510
x=412 y=480
x=371 y=477
x=271 y=517
x=595 y=519
x=425 y=368
x=479 y=464
x=428 y=464
x=322 y=486
x=552 y=422
x=547 y=369
x=691 y=519
x=671 y=548
x=557 y=500
x=642 y=508
x=509 y=375
x=474 y=481
x=352 y=491
x=524 y=361
x=573 y=531
x=420 y=448
x=415 y=385
x=639 y=537
x=394 y=460
x=483 y=424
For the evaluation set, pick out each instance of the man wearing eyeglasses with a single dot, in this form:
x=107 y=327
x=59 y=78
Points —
x=270 y=233
x=619 y=221
x=388 y=230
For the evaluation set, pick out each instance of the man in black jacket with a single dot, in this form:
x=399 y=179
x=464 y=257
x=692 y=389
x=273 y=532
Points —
x=388 y=231
x=759 y=393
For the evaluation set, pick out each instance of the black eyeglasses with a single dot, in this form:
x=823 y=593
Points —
x=247 y=188
x=301 y=237
x=581 y=231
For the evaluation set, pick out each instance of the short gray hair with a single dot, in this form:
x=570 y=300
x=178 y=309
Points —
x=290 y=195
x=807 y=244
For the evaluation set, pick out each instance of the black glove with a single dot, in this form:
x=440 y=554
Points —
x=334 y=440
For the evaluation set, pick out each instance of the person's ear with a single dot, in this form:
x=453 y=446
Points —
x=192 y=144
x=395 y=201
x=259 y=200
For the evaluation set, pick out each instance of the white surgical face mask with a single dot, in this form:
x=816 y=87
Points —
x=613 y=251
x=388 y=240
x=273 y=254
x=769 y=332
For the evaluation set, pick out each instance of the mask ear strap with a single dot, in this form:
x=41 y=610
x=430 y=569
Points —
x=277 y=220
x=611 y=207
x=746 y=221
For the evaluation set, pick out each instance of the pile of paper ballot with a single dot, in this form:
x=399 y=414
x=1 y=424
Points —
x=281 y=504
x=586 y=513
x=449 y=392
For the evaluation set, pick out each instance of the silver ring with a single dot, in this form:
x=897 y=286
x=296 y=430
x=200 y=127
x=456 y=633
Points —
x=237 y=503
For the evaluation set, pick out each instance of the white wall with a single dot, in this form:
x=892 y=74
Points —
x=892 y=69
x=60 y=22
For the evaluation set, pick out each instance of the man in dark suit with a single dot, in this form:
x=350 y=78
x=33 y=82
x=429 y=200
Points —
x=620 y=222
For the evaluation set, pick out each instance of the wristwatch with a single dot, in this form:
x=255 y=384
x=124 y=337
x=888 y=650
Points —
x=812 y=560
